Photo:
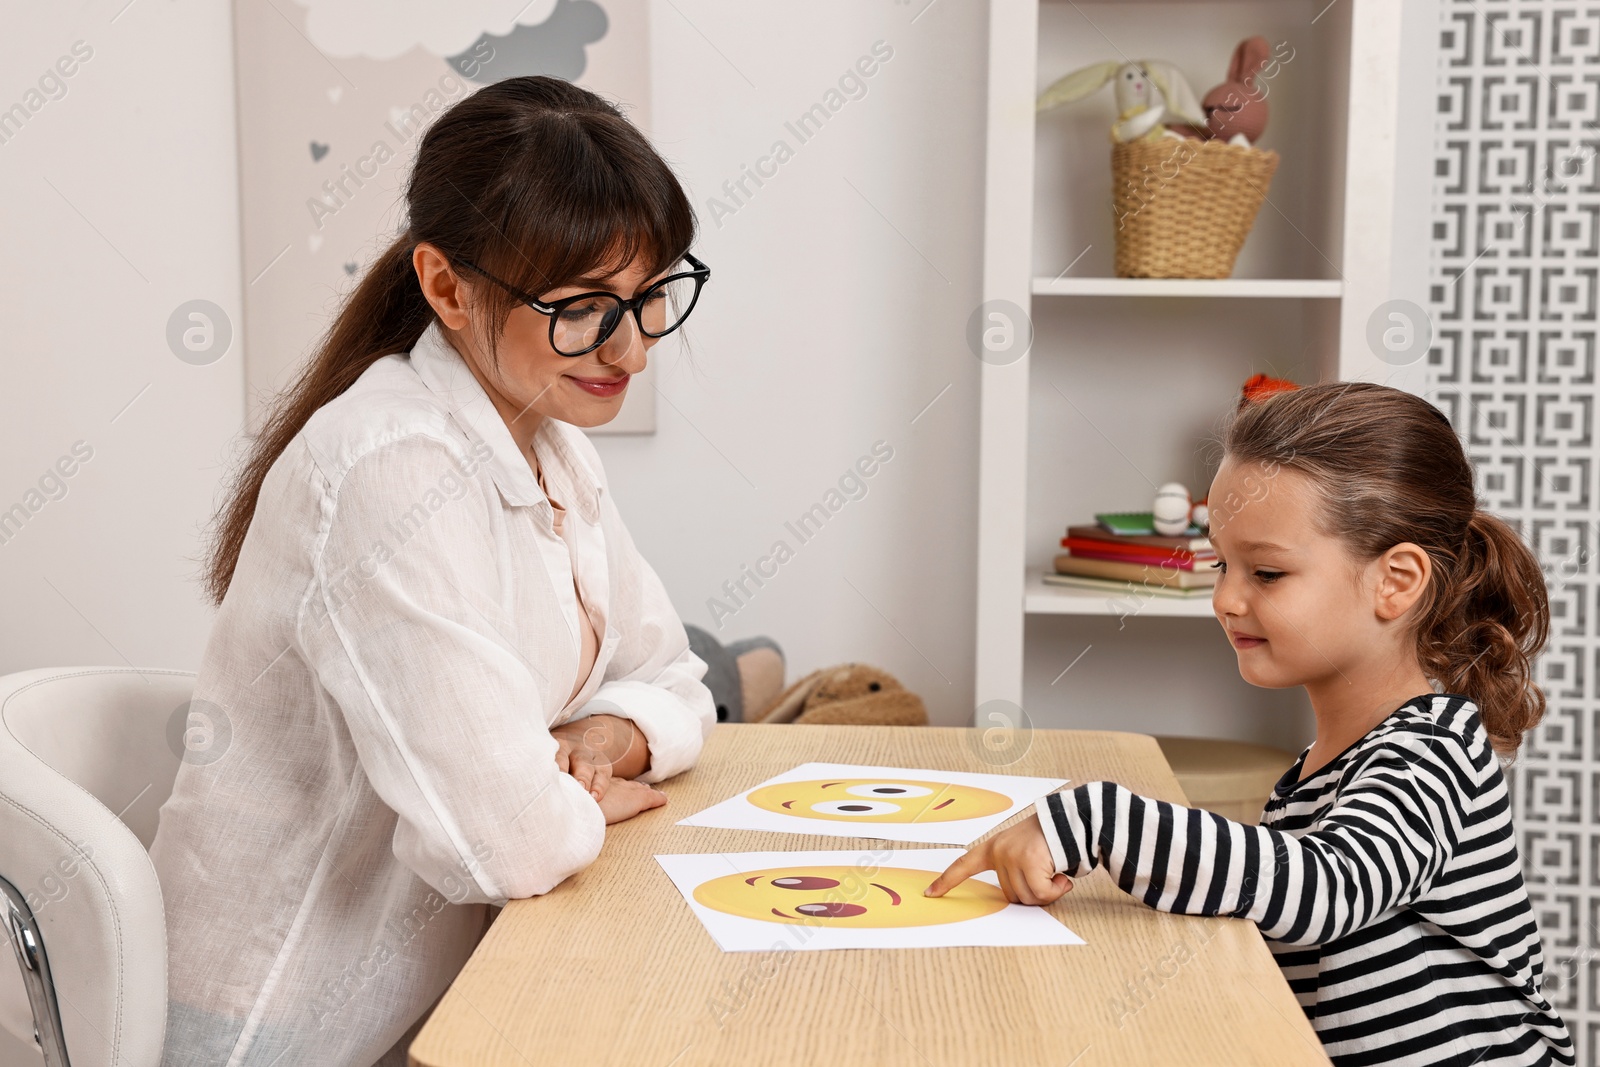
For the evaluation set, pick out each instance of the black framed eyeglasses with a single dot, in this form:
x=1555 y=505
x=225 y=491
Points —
x=582 y=323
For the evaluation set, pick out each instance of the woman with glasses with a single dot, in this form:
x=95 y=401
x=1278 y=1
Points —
x=440 y=666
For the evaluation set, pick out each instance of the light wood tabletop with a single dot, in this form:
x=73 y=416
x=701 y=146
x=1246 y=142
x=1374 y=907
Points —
x=611 y=967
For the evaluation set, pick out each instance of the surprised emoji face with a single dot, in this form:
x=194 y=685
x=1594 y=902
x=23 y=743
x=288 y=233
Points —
x=866 y=800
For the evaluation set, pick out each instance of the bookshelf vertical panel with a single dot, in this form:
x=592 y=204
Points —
x=1007 y=281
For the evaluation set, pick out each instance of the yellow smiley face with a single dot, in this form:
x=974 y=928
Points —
x=875 y=800
x=847 y=897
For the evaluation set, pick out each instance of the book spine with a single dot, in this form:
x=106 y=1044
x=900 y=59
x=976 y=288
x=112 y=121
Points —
x=1134 y=572
x=1080 y=546
x=1158 y=562
x=1095 y=533
x=1119 y=587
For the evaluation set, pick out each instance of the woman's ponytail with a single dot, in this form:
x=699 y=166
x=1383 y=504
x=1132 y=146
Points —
x=386 y=314
x=1489 y=618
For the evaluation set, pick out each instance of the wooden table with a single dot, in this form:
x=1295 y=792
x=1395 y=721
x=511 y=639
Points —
x=611 y=967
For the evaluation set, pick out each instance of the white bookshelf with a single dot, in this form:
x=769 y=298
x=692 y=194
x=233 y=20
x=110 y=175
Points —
x=1125 y=375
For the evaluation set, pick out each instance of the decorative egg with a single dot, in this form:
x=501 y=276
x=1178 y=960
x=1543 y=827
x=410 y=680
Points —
x=1200 y=515
x=1171 y=509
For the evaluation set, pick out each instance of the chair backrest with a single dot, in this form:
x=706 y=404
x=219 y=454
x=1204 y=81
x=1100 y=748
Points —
x=87 y=757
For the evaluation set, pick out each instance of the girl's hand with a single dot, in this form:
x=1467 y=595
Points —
x=626 y=798
x=586 y=762
x=1021 y=859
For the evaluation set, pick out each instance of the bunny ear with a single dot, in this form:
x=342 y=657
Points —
x=1077 y=85
x=1252 y=54
x=1175 y=91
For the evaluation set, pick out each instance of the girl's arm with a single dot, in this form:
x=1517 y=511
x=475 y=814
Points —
x=1392 y=829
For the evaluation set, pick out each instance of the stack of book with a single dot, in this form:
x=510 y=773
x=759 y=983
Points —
x=1122 y=550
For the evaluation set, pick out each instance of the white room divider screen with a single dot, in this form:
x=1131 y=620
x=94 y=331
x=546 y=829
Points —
x=1515 y=202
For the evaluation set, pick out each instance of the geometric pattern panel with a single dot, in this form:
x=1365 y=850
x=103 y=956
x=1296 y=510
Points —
x=1515 y=251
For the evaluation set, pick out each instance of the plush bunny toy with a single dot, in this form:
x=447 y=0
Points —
x=1236 y=110
x=1150 y=93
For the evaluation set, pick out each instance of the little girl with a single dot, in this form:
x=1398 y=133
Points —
x=1385 y=874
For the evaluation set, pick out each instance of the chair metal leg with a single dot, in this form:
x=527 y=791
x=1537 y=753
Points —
x=28 y=942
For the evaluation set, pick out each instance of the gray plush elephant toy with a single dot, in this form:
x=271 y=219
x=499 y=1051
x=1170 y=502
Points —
x=744 y=677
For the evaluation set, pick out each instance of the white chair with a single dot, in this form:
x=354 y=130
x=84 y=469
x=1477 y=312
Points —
x=87 y=757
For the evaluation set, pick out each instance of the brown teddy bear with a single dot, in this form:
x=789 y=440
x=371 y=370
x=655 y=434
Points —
x=852 y=693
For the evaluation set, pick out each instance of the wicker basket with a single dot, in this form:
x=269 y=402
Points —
x=1183 y=208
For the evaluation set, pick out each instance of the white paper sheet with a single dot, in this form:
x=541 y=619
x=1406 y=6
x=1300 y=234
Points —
x=851 y=899
x=891 y=803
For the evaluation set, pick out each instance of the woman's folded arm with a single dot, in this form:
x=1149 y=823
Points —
x=404 y=629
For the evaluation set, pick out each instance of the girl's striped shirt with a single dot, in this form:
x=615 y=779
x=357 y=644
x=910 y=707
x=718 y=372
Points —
x=1387 y=885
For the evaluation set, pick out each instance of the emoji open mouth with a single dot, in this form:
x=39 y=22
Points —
x=845 y=896
x=825 y=909
x=880 y=801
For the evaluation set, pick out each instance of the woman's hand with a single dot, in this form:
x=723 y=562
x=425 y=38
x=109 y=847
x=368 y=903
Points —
x=583 y=752
x=599 y=748
x=586 y=762
x=626 y=798
x=1021 y=859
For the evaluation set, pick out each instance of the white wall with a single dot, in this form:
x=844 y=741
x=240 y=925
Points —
x=120 y=205
x=836 y=312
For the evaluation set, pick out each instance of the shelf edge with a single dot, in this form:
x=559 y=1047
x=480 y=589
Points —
x=1236 y=288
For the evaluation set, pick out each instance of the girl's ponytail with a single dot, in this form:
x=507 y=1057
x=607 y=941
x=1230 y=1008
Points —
x=1490 y=616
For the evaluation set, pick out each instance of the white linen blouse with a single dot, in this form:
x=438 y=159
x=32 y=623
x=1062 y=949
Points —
x=368 y=764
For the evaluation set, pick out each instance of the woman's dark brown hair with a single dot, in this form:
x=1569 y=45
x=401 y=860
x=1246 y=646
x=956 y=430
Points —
x=1390 y=469
x=533 y=179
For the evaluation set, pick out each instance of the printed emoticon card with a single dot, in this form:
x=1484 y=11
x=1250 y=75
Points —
x=893 y=803
x=757 y=901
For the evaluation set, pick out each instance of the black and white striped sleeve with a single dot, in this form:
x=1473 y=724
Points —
x=1381 y=844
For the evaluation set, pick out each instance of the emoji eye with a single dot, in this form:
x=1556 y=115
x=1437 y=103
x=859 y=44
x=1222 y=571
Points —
x=889 y=790
x=831 y=909
x=804 y=881
x=855 y=807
